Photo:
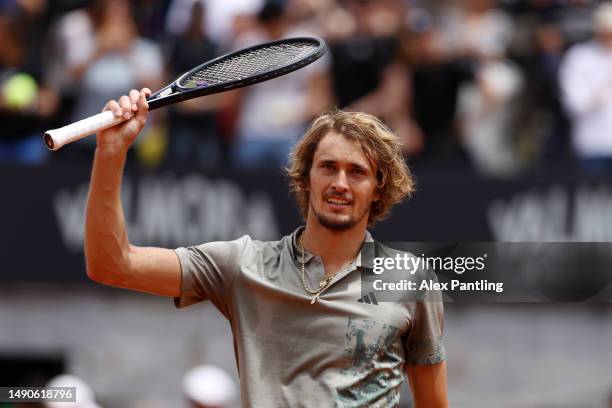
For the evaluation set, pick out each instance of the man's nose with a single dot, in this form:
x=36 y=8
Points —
x=340 y=182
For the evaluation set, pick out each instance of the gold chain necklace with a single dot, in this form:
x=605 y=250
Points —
x=323 y=282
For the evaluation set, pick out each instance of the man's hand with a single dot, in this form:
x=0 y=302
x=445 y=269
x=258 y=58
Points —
x=134 y=108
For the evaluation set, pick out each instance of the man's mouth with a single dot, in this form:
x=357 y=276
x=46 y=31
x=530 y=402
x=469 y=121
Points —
x=338 y=201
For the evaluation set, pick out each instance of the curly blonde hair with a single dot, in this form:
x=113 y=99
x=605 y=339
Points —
x=380 y=145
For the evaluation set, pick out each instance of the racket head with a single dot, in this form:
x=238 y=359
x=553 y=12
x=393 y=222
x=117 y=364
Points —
x=250 y=66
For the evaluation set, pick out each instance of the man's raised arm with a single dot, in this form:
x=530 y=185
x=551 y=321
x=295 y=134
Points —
x=110 y=257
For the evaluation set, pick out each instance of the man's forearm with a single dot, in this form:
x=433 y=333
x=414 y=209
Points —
x=428 y=385
x=106 y=240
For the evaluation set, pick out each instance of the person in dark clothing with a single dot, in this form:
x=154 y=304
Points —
x=27 y=105
x=193 y=133
x=435 y=79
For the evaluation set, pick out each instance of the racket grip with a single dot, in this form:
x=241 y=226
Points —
x=56 y=138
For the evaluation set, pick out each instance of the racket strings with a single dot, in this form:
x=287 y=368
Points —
x=249 y=64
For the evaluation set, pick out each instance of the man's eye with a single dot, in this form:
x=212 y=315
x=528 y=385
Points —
x=358 y=172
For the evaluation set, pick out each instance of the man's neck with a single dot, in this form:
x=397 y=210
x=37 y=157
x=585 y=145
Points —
x=335 y=248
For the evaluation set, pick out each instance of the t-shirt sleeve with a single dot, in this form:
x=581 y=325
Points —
x=423 y=343
x=208 y=272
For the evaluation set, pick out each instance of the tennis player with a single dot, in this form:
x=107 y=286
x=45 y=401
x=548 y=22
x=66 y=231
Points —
x=303 y=334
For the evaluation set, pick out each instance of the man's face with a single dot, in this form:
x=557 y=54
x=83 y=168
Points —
x=605 y=38
x=342 y=184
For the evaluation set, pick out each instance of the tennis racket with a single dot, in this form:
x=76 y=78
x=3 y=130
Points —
x=235 y=70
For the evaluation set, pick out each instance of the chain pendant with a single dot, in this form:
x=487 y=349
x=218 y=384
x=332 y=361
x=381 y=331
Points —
x=323 y=283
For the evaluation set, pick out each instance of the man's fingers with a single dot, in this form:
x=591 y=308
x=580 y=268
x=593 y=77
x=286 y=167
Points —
x=134 y=95
x=143 y=108
x=142 y=100
x=114 y=107
x=126 y=105
x=132 y=107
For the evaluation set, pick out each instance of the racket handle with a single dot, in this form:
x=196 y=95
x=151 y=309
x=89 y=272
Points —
x=56 y=138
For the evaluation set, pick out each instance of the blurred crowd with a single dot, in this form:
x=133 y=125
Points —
x=202 y=386
x=494 y=87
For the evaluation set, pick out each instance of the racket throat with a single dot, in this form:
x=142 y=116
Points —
x=163 y=97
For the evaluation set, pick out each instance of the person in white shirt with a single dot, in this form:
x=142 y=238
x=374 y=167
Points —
x=208 y=386
x=586 y=85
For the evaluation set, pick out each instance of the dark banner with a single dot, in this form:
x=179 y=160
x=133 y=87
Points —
x=43 y=213
x=487 y=272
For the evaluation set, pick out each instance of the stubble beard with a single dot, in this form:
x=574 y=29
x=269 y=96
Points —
x=338 y=226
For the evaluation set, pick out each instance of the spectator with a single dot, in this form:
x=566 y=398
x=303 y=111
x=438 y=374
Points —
x=418 y=90
x=362 y=51
x=274 y=114
x=543 y=117
x=193 y=135
x=207 y=386
x=586 y=82
x=27 y=104
x=481 y=33
x=223 y=19
x=104 y=56
x=436 y=78
x=363 y=39
x=84 y=396
x=150 y=16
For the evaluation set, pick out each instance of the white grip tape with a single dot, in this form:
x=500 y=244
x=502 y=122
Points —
x=82 y=128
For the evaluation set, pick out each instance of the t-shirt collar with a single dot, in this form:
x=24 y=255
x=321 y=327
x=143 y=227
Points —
x=296 y=251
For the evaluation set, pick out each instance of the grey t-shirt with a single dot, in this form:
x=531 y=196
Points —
x=337 y=352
